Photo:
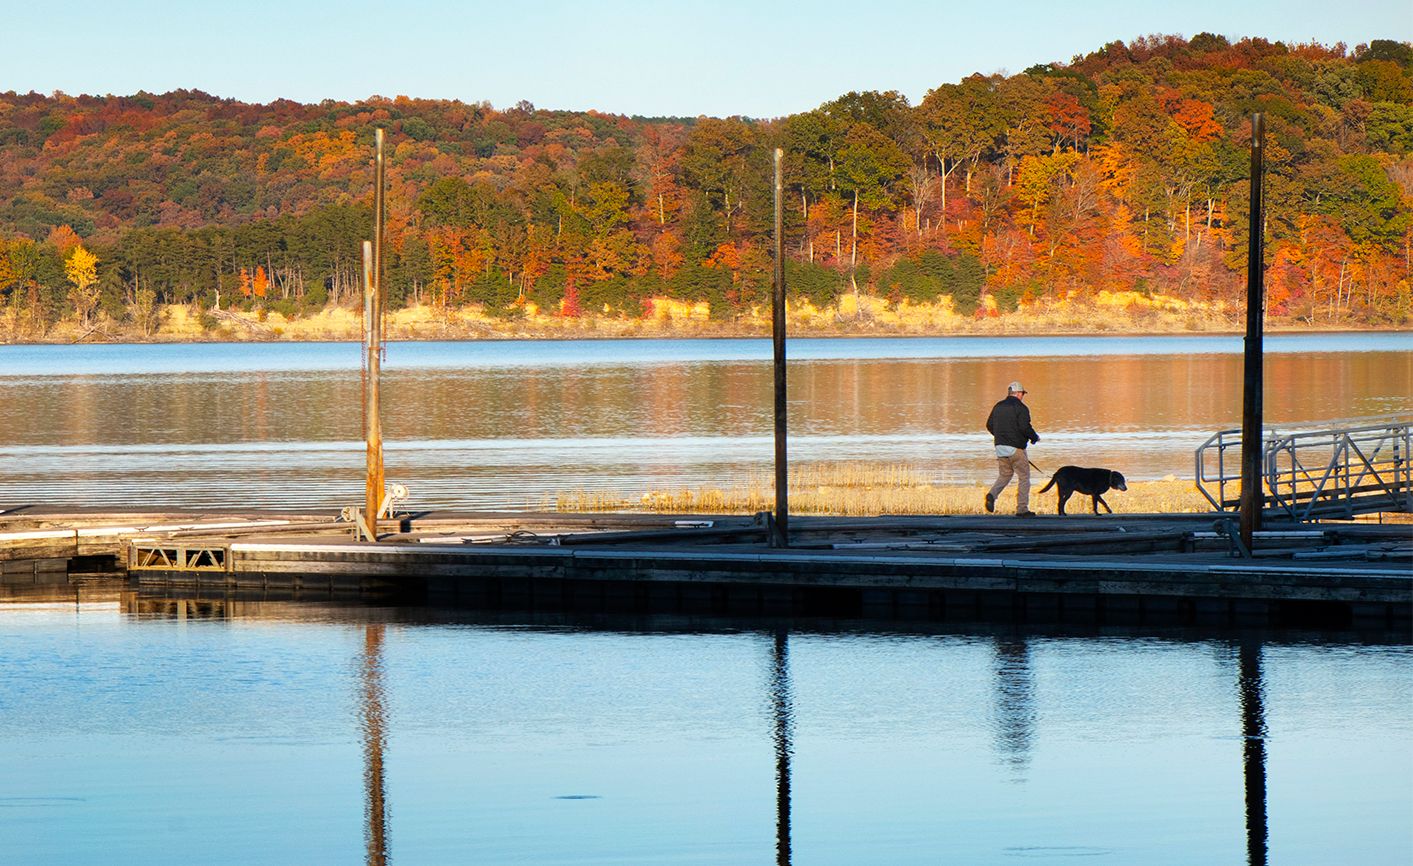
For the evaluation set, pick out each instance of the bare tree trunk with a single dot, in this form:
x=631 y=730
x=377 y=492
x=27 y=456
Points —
x=1339 y=290
x=1197 y=247
x=942 y=217
x=943 y=173
x=854 y=252
x=808 y=239
x=920 y=179
x=854 y=234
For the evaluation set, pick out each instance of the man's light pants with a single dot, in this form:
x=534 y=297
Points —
x=1017 y=464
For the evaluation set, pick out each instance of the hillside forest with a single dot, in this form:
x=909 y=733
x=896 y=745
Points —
x=1115 y=182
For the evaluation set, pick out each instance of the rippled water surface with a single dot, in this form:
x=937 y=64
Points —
x=509 y=424
x=172 y=732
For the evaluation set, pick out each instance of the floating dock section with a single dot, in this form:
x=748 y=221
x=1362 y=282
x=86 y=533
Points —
x=1171 y=569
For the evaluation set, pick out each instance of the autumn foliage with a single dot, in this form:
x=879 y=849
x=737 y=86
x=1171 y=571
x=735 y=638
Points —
x=1120 y=174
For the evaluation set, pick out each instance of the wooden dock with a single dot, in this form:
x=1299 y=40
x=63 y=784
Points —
x=1183 y=569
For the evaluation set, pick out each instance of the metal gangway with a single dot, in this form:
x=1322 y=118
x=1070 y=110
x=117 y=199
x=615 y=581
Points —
x=1310 y=475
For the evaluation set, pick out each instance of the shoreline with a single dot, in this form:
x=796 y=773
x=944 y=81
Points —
x=1109 y=315
x=217 y=339
x=342 y=326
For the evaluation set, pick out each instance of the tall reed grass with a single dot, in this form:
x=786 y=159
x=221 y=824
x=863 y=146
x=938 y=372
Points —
x=859 y=489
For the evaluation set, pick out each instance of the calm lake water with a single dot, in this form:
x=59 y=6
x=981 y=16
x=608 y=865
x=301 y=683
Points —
x=149 y=731
x=508 y=424
x=162 y=732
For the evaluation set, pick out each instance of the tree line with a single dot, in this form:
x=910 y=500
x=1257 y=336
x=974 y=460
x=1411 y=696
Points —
x=1124 y=170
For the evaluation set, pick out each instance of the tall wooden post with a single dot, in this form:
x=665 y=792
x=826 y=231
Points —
x=780 y=536
x=373 y=344
x=1253 y=384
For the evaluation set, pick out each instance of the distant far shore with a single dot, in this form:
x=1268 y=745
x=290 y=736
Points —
x=865 y=316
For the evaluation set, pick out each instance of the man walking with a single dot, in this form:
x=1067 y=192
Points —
x=1009 y=425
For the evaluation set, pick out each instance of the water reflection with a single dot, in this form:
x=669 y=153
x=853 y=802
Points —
x=784 y=712
x=1110 y=742
x=484 y=435
x=874 y=397
x=1015 y=704
x=374 y=744
x=1253 y=730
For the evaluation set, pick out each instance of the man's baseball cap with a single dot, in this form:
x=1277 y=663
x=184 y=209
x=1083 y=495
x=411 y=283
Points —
x=1015 y=388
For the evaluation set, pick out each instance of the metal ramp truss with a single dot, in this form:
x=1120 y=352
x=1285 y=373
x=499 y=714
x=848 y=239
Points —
x=1316 y=474
x=159 y=556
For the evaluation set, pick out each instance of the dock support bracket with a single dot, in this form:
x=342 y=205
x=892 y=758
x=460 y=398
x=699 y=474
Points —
x=1232 y=530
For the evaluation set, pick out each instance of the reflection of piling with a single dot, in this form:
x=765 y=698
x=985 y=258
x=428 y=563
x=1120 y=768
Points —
x=1015 y=702
x=374 y=740
x=1253 y=729
x=784 y=721
x=373 y=344
x=1251 y=498
x=780 y=537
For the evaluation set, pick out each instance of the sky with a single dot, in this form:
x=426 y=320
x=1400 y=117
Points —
x=662 y=58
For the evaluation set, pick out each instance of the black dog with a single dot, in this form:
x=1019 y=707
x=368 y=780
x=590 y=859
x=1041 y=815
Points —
x=1090 y=482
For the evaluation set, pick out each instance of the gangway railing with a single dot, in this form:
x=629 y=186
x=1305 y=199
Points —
x=1313 y=474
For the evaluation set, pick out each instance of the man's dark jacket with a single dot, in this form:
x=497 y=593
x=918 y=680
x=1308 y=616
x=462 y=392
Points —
x=1009 y=423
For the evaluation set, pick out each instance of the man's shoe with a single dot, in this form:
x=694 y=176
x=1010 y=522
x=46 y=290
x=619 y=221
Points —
x=1025 y=514
x=990 y=502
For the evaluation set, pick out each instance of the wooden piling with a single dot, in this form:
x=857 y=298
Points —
x=373 y=345
x=780 y=534
x=1251 y=420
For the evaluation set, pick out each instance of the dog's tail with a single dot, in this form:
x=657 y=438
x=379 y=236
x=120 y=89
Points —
x=1048 y=486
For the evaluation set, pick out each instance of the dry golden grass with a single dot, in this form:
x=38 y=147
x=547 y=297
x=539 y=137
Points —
x=859 y=489
x=866 y=315
x=1118 y=313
